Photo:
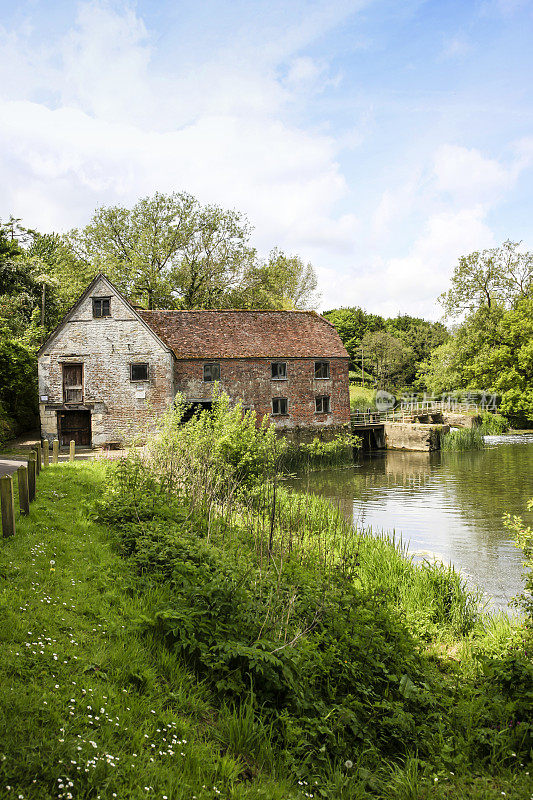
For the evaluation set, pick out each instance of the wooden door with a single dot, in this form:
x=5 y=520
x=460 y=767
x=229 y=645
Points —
x=74 y=425
x=73 y=383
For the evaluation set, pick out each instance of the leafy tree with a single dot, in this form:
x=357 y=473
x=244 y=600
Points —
x=214 y=258
x=18 y=382
x=420 y=335
x=388 y=356
x=167 y=250
x=493 y=350
x=488 y=277
x=351 y=325
x=280 y=282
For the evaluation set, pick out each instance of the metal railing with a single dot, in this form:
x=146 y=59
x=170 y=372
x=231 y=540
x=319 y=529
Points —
x=406 y=412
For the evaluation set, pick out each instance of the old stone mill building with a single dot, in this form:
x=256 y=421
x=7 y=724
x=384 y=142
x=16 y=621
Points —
x=110 y=369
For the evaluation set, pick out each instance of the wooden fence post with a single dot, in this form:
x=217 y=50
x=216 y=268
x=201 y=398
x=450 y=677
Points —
x=38 y=459
x=24 y=496
x=32 y=473
x=55 y=451
x=46 y=453
x=72 y=450
x=8 y=505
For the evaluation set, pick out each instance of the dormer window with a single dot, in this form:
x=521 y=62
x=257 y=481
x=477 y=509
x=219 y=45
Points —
x=101 y=306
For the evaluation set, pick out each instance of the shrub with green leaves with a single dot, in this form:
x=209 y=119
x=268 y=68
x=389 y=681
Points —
x=493 y=423
x=18 y=383
x=7 y=426
x=224 y=445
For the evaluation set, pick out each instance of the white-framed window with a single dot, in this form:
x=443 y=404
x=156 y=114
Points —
x=211 y=372
x=138 y=372
x=321 y=369
x=322 y=404
x=280 y=406
x=279 y=370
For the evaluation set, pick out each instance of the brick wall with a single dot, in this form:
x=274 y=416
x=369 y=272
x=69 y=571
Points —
x=106 y=347
x=250 y=380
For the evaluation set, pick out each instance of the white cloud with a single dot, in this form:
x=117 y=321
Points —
x=469 y=177
x=121 y=130
x=96 y=116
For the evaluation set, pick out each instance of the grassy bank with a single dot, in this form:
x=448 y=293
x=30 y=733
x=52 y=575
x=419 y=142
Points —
x=362 y=398
x=180 y=649
x=91 y=705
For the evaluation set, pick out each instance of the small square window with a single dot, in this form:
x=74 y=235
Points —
x=280 y=406
x=139 y=372
x=322 y=404
x=101 y=306
x=279 y=370
x=211 y=372
x=321 y=369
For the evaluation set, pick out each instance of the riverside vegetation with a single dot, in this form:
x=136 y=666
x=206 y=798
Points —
x=200 y=631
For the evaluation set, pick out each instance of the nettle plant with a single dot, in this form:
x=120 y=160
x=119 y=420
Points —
x=524 y=540
x=223 y=445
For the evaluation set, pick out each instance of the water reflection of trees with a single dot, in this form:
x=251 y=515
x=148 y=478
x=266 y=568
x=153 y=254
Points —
x=488 y=483
x=480 y=486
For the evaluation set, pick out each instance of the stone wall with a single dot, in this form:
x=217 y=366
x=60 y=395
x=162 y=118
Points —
x=457 y=420
x=250 y=381
x=106 y=347
x=413 y=436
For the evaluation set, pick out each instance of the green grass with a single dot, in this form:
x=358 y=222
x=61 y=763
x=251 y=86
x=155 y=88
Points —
x=90 y=706
x=362 y=398
x=463 y=439
x=96 y=702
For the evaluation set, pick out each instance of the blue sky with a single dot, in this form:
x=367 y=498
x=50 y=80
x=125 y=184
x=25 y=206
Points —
x=379 y=140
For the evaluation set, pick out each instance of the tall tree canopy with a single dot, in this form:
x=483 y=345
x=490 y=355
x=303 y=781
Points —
x=387 y=356
x=418 y=337
x=487 y=277
x=281 y=281
x=492 y=349
x=170 y=251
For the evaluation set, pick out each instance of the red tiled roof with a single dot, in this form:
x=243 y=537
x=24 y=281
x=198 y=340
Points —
x=246 y=334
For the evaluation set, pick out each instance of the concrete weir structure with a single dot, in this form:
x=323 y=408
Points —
x=413 y=435
x=379 y=433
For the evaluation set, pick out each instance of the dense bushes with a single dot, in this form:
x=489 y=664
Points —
x=493 y=423
x=18 y=384
x=278 y=605
x=7 y=426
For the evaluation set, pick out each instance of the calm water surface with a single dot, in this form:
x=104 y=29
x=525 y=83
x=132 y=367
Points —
x=448 y=505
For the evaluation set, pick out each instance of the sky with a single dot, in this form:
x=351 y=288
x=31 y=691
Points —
x=379 y=140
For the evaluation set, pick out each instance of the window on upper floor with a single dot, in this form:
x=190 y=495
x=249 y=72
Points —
x=211 y=372
x=280 y=406
x=322 y=404
x=279 y=370
x=138 y=372
x=101 y=306
x=321 y=369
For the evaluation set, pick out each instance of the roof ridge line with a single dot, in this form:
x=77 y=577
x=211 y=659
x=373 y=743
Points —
x=230 y=310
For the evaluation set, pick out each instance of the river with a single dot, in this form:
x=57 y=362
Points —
x=444 y=504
